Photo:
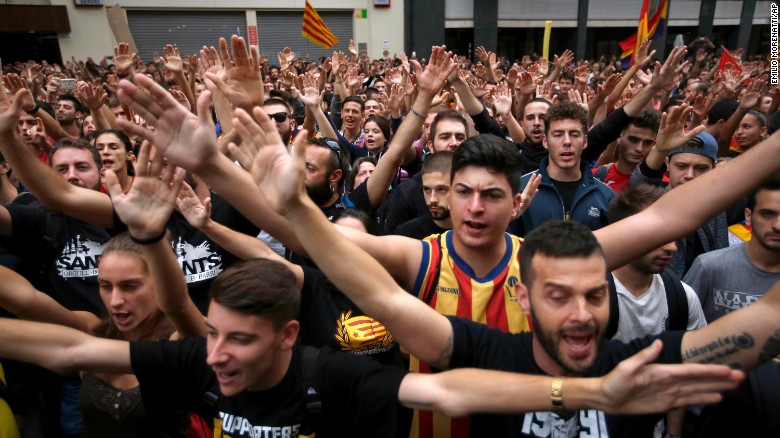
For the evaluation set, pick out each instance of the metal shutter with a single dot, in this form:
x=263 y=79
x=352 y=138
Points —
x=187 y=30
x=277 y=30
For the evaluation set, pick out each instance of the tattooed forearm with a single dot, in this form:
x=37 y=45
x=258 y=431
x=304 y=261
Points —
x=720 y=350
x=771 y=348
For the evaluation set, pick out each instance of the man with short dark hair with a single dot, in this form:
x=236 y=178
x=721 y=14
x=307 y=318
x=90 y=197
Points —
x=568 y=189
x=635 y=143
x=69 y=113
x=436 y=191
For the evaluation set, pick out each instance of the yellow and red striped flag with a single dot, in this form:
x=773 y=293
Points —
x=315 y=30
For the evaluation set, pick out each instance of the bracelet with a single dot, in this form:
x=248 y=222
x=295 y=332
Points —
x=417 y=114
x=149 y=241
x=34 y=110
x=556 y=392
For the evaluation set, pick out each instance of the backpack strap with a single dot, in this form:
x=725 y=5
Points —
x=309 y=357
x=614 y=309
x=428 y=295
x=677 y=301
x=601 y=171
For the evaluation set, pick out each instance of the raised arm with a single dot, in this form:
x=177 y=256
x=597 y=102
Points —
x=189 y=141
x=420 y=329
x=62 y=349
x=145 y=209
x=430 y=80
x=49 y=187
x=240 y=245
x=700 y=199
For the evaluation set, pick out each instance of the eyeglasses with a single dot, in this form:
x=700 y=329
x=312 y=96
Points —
x=279 y=117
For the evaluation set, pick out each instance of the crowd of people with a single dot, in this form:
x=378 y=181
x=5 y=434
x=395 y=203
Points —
x=220 y=244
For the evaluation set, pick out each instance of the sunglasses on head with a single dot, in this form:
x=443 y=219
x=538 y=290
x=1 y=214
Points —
x=333 y=145
x=279 y=117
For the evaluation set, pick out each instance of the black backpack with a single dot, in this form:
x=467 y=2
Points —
x=676 y=299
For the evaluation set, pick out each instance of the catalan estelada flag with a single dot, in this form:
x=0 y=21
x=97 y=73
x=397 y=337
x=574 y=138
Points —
x=650 y=28
x=315 y=30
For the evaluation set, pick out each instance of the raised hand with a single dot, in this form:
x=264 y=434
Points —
x=187 y=140
x=502 y=99
x=642 y=56
x=544 y=66
x=393 y=75
x=525 y=84
x=279 y=175
x=147 y=206
x=544 y=90
x=663 y=74
x=352 y=48
x=752 y=95
x=671 y=132
x=579 y=99
x=172 y=59
x=511 y=77
x=197 y=213
x=311 y=92
x=644 y=77
x=11 y=111
x=210 y=60
x=482 y=54
x=123 y=60
x=241 y=81
x=440 y=65
x=90 y=95
x=565 y=59
x=581 y=74
x=530 y=190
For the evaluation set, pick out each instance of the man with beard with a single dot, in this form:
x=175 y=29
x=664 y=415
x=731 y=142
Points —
x=69 y=111
x=734 y=277
x=563 y=288
x=280 y=113
x=436 y=190
x=730 y=279
x=325 y=170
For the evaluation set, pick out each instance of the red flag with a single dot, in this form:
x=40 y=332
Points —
x=315 y=30
x=727 y=58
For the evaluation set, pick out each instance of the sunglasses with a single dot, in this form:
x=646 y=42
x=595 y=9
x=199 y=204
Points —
x=279 y=117
x=333 y=145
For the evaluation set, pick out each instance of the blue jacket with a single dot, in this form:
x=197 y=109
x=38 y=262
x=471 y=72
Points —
x=589 y=206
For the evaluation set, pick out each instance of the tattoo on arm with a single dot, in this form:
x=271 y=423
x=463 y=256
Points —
x=720 y=350
x=771 y=348
x=442 y=362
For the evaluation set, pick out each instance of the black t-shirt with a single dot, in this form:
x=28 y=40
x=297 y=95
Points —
x=359 y=396
x=329 y=318
x=419 y=228
x=200 y=258
x=69 y=260
x=405 y=203
x=476 y=345
x=567 y=190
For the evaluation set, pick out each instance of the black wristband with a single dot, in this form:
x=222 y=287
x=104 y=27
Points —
x=151 y=241
x=34 y=110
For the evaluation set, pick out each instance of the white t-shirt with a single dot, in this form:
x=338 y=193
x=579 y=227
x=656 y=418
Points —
x=647 y=314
